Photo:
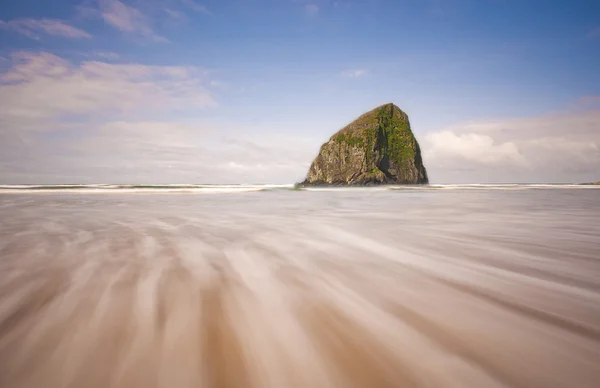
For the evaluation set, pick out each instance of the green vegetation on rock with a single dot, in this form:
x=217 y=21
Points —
x=377 y=148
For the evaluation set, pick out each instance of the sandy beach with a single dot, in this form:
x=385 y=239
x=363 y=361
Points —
x=335 y=288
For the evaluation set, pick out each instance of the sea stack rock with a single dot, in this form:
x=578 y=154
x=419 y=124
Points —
x=377 y=148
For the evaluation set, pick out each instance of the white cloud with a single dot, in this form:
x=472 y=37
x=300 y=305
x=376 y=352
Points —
x=354 y=73
x=105 y=122
x=446 y=147
x=118 y=151
x=42 y=86
x=61 y=121
x=32 y=28
x=154 y=152
x=148 y=143
x=560 y=147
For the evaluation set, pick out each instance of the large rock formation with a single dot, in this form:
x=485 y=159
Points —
x=377 y=148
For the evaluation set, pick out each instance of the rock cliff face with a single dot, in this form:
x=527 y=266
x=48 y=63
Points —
x=377 y=148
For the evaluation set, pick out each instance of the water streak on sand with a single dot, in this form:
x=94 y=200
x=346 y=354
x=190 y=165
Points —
x=369 y=288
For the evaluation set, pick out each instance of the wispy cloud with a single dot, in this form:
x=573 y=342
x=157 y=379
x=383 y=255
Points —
x=196 y=6
x=176 y=16
x=354 y=73
x=42 y=86
x=312 y=9
x=34 y=28
x=121 y=123
x=113 y=119
x=125 y=18
x=146 y=151
x=108 y=55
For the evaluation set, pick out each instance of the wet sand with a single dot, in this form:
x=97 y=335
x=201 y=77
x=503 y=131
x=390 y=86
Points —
x=446 y=288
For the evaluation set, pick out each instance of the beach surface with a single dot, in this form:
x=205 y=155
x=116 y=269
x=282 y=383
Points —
x=464 y=286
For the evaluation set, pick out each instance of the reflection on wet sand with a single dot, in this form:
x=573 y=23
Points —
x=301 y=289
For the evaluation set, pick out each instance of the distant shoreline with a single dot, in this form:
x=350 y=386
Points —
x=255 y=188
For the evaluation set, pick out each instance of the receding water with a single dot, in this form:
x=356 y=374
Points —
x=436 y=287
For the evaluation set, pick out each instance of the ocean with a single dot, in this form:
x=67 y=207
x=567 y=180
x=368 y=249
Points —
x=272 y=286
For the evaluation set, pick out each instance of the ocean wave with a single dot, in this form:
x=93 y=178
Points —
x=111 y=188
x=246 y=188
x=478 y=186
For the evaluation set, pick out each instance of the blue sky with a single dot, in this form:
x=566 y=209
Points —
x=246 y=91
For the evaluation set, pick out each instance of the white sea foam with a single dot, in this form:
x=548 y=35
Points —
x=106 y=188
x=243 y=188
